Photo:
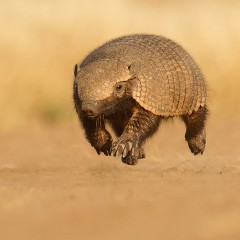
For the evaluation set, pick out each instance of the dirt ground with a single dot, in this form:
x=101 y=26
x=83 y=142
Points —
x=54 y=186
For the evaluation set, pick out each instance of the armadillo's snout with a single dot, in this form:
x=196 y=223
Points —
x=89 y=110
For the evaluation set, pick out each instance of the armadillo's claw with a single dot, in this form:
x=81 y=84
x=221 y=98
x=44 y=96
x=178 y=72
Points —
x=197 y=143
x=129 y=149
x=126 y=150
x=105 y=148
x=98 y=151
x=106 y=152
x=120 y=150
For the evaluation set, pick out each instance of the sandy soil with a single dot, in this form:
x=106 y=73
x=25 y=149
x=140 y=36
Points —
x=52 y=183
x=54 y=186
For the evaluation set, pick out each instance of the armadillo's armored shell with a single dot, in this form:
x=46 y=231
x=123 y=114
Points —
x=170 y=82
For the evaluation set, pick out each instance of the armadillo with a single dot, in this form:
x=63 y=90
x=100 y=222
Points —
x=133 y=83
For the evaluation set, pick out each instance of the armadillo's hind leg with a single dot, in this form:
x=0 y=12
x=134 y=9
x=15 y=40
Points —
x=195 y=130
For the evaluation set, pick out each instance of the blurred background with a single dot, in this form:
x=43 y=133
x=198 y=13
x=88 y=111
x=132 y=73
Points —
x=42 y=40
x=52 y=183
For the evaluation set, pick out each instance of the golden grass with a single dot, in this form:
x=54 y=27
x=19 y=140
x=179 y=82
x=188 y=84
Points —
x=41 y=41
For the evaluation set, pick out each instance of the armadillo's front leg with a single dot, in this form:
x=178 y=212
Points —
x=97 y=134
x=141 y=125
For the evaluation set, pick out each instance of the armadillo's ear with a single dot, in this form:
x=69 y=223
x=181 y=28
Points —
x=134 y=68
x=75 y=70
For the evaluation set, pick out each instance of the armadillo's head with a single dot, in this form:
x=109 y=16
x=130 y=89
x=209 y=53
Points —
x=103 y=86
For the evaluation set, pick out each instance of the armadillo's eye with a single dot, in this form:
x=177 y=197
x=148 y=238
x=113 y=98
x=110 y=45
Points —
x=118 y=87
